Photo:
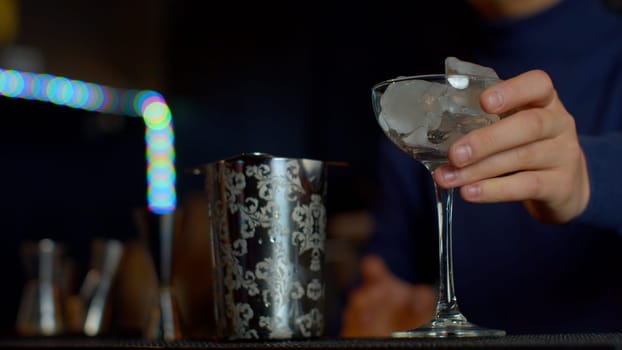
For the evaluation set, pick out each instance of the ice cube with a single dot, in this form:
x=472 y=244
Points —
x=462 y=101
x=445 y=134
x=455 y=66
x=433 y=120
x=410 y=104
x=458 y=81
x=417 y=138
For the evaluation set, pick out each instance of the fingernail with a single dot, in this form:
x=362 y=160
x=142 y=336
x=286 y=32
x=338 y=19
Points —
x=463 y=153
x=473 y=190
x=449 y=175
x=494 y=100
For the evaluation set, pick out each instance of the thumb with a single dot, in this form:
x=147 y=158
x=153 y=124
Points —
x=374 y=269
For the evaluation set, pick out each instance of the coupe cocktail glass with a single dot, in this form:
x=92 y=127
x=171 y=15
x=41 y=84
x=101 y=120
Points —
x=423 y=116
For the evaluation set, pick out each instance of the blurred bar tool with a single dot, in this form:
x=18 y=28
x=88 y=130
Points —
x=159 y=230
x=105 y=259
x=40 y=310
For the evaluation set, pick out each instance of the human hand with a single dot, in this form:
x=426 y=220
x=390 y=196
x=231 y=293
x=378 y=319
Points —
x=533 y=155
x=384 y=303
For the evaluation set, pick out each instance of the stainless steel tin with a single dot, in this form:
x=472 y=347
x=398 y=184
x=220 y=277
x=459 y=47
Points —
x=268 y=223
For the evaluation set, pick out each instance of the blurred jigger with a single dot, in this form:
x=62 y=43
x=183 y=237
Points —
x=40 y=310
x=94 y=292
x=159 y=229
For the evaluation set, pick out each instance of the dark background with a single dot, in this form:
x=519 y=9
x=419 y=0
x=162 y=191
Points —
x=288 y=78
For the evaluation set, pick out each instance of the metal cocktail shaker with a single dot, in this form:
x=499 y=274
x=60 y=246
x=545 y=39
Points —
x=267 y=220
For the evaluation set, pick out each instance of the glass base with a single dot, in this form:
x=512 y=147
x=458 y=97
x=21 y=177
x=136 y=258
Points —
x=449 y=329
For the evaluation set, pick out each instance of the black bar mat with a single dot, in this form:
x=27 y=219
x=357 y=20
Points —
x=542 y=341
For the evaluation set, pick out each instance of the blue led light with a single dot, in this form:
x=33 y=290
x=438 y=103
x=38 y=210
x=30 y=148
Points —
x=148 y=104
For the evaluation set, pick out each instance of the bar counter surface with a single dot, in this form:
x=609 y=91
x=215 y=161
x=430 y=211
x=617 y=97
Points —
x=542 y=341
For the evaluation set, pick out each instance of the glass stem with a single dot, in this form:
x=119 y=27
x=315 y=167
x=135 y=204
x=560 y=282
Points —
x=447 y=304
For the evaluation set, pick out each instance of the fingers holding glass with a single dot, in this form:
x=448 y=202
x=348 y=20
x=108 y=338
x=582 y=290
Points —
x=522 y=128
x=531 y=89
x=539 y=155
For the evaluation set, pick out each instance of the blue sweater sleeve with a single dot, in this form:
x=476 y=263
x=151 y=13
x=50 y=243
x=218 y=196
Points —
x=603 y=155
x=403 y=215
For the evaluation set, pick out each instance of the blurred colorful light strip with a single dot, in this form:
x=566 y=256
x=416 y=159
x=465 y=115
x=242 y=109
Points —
x=148 y=104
